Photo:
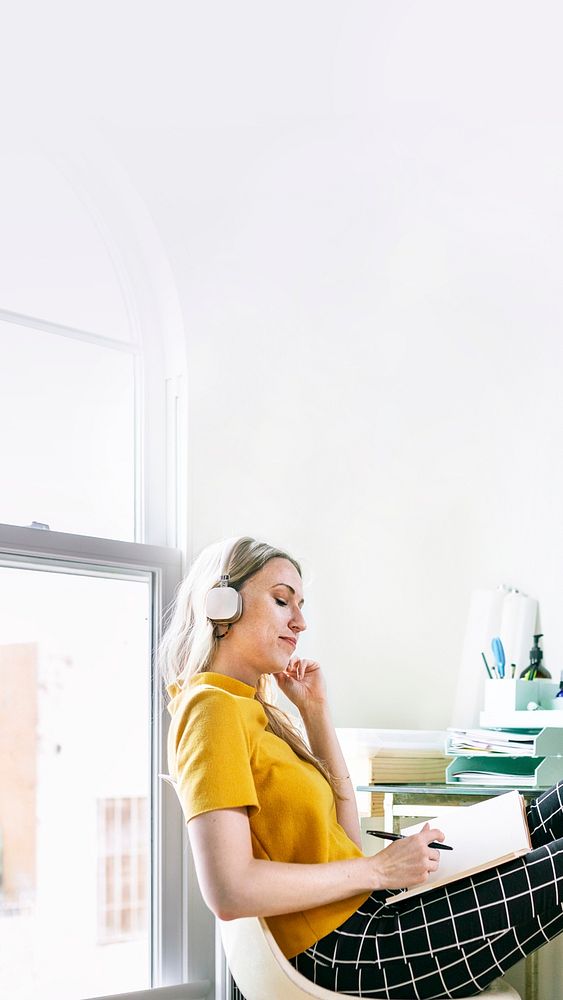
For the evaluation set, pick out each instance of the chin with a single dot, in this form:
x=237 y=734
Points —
x=277 y=668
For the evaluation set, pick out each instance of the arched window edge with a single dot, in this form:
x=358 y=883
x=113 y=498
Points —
x=153 y=307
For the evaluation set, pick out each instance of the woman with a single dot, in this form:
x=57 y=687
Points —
x=272 y=818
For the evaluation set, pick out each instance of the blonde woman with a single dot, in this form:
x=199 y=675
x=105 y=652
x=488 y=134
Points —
x=272 y=818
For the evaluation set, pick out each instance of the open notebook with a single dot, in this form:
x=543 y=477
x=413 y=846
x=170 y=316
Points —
x=482 y=836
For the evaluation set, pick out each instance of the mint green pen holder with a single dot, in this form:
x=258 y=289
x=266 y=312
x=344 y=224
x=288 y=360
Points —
x=509 y=695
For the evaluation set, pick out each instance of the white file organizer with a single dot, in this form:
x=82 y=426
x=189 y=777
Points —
x=543 y=771
x=544 y=742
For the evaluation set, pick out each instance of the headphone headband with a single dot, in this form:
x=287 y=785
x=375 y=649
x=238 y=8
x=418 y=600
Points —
x=229 y=546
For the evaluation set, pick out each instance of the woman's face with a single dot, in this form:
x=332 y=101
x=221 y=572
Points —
x=264 y=639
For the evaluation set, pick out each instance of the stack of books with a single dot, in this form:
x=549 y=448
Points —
x=398 y=766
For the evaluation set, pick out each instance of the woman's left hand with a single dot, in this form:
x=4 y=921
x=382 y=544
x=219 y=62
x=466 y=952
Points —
x=303 y=683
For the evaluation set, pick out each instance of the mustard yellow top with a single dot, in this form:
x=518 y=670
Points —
x=222 y=757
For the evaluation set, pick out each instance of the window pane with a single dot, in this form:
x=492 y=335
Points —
x=74 y=784
x=66 y=434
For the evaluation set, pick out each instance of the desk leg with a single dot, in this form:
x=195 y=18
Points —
x=532 y=971
x=388 y=812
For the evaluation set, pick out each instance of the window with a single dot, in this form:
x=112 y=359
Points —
x=92 y=901
x=97 y=892
x=75 y=665
x=67 y=431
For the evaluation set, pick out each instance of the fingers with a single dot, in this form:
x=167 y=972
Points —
x=410 y=861
x=431 y=856
x=430 y=835
x=297 y=668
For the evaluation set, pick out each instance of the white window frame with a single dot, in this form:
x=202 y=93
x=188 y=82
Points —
x=178 y=915
x=156 y=328
x=184 y=951
x=159 y=442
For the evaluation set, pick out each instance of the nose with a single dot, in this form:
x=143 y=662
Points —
x=298 y=623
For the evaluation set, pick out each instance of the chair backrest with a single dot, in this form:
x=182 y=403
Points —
x=260 y=969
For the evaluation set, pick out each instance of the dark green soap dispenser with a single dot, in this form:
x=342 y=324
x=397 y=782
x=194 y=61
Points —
x=535 y=668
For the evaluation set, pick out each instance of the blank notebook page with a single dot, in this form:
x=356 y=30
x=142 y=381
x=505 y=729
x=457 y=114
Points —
x=481 y=835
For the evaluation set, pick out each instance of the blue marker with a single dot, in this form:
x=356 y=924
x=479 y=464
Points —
x=498 y=653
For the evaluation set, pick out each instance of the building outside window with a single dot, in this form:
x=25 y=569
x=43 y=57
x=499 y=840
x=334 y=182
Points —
x=123 y=864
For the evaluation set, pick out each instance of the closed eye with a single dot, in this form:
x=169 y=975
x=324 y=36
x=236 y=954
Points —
x=278 y=600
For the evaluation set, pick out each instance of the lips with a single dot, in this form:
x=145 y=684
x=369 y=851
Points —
x=287 y=638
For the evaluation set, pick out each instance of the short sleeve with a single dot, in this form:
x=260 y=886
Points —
x=212 y=755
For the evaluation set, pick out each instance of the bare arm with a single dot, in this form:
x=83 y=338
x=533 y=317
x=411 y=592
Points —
x=303 y=683
x=324 y=744
x=236 y=884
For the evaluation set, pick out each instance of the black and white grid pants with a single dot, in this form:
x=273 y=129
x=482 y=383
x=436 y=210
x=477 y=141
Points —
x=454 y=940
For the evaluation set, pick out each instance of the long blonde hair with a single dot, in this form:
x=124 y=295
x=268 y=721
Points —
x=189 y=642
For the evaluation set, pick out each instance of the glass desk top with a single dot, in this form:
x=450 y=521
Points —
x=429 y=788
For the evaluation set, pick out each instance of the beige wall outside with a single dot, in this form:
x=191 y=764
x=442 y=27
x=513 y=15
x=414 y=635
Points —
x=18 y=766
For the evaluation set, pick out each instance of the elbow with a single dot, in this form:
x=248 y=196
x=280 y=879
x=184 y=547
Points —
x=226 y=913
x=226 y=905
x=233 y=905
x=227 y=888
x=229 y=910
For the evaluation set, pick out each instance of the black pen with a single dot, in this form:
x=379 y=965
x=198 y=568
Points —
x=401 y=836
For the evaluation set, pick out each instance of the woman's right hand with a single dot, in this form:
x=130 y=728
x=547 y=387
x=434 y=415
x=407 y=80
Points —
x=407 y=862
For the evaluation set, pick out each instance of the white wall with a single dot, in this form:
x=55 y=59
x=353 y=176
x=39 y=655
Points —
x=365 y=229
x=361 y=204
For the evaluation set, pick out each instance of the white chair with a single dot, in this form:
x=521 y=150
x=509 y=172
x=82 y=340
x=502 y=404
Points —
x=262 y=972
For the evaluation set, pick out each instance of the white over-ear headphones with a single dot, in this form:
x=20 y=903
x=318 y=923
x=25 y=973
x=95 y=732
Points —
x=223 y=604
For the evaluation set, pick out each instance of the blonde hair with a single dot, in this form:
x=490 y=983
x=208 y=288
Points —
x=189 y=642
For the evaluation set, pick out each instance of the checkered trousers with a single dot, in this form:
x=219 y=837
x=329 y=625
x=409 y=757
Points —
x=454 y=940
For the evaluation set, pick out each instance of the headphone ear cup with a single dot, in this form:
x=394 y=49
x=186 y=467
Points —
x=223 y=605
